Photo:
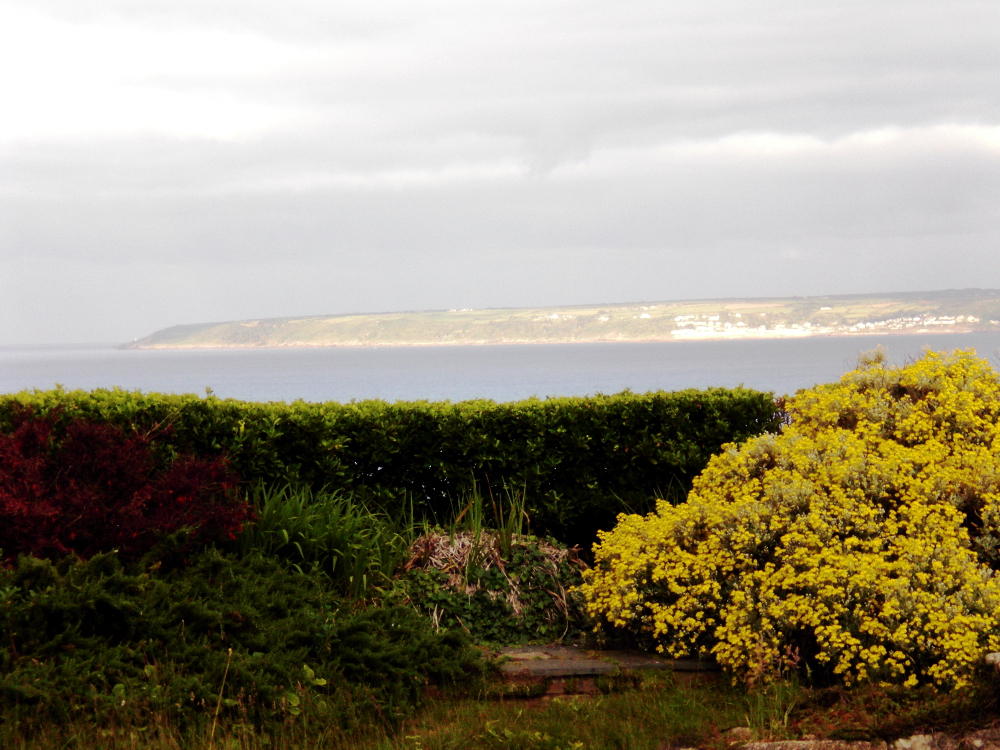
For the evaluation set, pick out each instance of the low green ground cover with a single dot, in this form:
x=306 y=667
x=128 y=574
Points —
x=242 y=638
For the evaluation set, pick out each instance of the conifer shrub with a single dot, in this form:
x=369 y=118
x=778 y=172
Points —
x=88 y=487
x=245 y=636
x=859 y=544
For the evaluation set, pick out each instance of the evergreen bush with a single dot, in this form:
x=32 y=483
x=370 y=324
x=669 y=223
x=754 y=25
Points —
x=244 y=636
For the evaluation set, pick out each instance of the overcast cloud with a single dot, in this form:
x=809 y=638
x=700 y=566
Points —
x=178 y=161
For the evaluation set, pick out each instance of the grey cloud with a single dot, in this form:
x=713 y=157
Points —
x=673 y=205
x=454 y=154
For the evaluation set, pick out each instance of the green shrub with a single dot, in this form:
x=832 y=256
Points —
x=247 y=637
x=578 y=461
x=861 y=542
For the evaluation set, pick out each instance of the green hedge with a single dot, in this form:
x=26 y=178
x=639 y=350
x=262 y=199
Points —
x=579 y=461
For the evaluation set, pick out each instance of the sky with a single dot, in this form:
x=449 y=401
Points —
x=182 y=161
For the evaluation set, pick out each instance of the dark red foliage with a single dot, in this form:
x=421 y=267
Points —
x=93 y=488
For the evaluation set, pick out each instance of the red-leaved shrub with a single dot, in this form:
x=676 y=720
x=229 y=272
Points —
x=93 y=488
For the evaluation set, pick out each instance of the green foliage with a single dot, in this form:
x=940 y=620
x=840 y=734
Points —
x=577 y=461
x=246 y=637
x=518 y=593
x=498 y=585
x=355 y=547
x=522 y=739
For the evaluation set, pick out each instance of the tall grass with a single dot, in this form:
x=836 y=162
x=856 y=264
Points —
x=508 y=523
x=356 y=546
x=504 y=516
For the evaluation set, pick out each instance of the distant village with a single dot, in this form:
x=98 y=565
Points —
x=711 y=326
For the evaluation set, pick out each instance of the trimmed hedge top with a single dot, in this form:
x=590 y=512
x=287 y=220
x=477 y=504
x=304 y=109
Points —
x=578 y=461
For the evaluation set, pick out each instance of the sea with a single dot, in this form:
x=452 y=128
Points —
x=457 y=373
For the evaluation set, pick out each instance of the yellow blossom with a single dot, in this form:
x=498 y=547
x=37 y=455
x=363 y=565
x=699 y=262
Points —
x=862 y=539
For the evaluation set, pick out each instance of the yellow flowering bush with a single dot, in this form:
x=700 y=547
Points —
x=860 y=542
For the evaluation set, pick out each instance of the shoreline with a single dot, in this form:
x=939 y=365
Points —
x=756 y=336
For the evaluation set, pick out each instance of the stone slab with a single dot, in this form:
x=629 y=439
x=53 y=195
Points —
x=572 y=661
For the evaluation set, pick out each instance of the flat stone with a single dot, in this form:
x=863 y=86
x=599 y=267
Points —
x=529 y=655
x=815 y=745
x=560 y=668
x=571 y=661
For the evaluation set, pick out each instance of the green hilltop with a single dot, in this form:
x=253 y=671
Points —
x=779 y=317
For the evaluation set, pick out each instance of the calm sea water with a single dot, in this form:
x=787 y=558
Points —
x=502 y=373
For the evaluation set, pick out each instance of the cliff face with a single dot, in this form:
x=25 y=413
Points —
x=911 y=312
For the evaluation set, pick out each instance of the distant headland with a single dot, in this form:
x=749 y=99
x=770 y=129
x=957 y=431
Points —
x=953 y=310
